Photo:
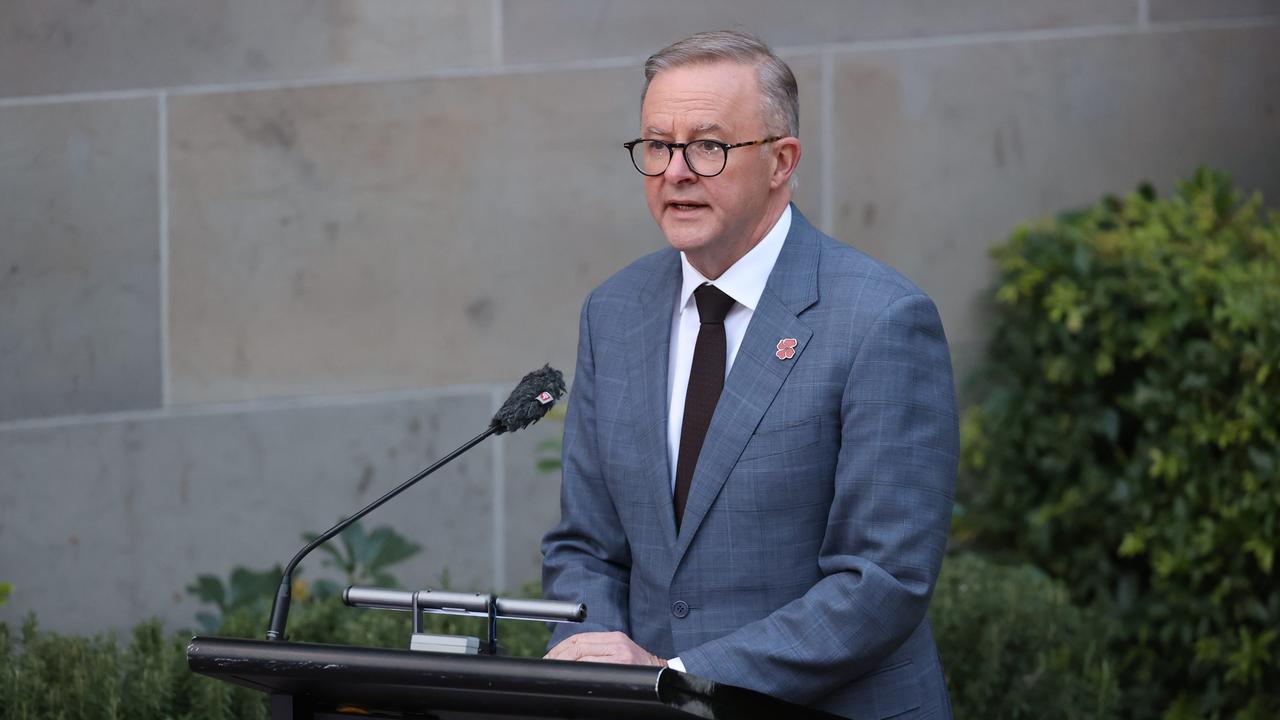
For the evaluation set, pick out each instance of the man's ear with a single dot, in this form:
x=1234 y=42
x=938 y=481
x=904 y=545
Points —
x=786 y=156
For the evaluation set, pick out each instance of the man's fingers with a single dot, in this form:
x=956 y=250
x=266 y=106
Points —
x=564 y=650
x=573 y=647
x=600 y=659
x=568 y=653
x=600 y=647
x=579 y=651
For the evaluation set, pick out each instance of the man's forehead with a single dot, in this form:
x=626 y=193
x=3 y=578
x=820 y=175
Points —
x=700 y=98
x=708 y=80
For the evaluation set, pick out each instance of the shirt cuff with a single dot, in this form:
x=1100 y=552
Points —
x=675 y=664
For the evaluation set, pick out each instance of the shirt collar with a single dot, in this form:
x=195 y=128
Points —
x=744 y=281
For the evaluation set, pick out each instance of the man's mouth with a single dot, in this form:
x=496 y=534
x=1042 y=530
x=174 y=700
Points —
x=686 y=206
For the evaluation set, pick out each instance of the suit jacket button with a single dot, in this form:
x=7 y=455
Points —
x=680 y=608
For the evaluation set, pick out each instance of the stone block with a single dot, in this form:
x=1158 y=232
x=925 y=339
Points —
x=79 y=258
x=559 y=30
x=532 y=497
x=103 y=523
x=1181 y=10
x=809 y=193
x=941 y=152
x=62 y=46
x=404 y=234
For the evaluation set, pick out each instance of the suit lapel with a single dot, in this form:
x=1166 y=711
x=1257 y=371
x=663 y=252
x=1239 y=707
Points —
x=649 y=342
x=757 y=373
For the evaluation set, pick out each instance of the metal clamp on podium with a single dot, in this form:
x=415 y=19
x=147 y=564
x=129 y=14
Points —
x=440 y=602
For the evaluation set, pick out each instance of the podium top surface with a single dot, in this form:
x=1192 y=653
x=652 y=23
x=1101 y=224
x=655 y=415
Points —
x=425 y=684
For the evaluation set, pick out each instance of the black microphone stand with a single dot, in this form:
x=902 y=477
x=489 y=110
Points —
x=284 y=595
x=531 y=399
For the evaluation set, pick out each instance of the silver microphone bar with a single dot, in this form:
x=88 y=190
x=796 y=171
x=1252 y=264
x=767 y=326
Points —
x=470 y=604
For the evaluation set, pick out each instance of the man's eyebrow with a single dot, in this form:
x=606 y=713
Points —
x=701 y=129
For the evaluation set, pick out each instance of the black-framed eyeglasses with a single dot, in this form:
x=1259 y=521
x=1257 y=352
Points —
x=704 y=157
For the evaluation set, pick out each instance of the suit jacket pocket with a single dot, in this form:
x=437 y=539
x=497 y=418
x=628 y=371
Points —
x=767 y=442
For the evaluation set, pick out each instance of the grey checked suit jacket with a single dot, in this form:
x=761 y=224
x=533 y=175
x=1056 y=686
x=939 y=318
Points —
x=820 y=505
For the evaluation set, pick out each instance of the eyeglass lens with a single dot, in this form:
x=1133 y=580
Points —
x=703 y=157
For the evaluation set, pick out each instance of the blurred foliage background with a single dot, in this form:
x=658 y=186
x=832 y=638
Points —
x=1117 y=518
x=1125 y=436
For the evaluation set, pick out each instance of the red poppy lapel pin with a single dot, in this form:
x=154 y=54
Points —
x=786 y=349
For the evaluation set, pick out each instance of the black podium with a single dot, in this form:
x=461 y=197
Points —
x=334 y=682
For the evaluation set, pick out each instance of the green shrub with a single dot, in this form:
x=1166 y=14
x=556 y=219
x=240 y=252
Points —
x=1013 y=646
x=46 y=675
x=1126 y=440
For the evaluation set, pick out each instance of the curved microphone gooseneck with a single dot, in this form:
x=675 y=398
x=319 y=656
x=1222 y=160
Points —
x=527 y=404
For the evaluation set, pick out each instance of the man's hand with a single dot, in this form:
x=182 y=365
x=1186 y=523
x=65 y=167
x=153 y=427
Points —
x=604 y=647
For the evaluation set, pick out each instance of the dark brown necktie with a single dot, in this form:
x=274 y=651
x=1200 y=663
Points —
x=706 y=380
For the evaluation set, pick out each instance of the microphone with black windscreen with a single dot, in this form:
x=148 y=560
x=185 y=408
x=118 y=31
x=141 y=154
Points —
x=527 y=404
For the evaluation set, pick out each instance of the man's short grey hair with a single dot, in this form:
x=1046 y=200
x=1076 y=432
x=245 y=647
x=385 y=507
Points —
x=781 y=100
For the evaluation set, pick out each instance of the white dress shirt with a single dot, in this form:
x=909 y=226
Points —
x=744 y=281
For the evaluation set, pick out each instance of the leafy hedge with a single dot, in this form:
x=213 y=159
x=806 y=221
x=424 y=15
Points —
x=49 y=675
x=1013 y=645
x=45 y=676
x=1127 y=439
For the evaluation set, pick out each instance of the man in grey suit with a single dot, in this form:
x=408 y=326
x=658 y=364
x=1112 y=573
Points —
x=761 y=442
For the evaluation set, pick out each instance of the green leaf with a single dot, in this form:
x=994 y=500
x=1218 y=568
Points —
x=249 y=587
x=392 y=548
x=1263 y=551
x=1133 y=544
x=209 y=589
x=335 y=557
x=361 y=548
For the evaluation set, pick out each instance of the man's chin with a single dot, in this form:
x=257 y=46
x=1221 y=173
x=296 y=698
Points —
x=686 y=243
x=686 y=237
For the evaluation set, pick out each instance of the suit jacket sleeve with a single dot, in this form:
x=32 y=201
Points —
x=886 y=530
x=586 y=557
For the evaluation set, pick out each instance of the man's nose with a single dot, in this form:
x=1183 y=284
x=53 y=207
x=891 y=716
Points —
x=678 y=170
